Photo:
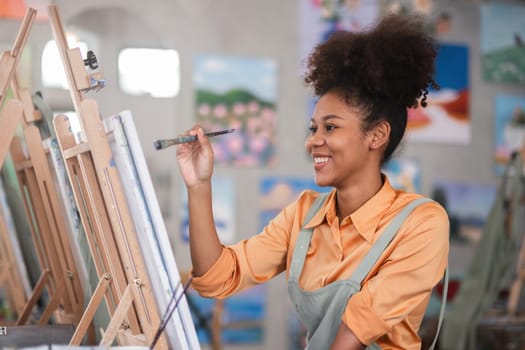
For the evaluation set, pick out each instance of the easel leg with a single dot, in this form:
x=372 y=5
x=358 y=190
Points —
x=92 y=307
x=53 y=302
x=116 y=320
x=39 y=288
x=10 y=116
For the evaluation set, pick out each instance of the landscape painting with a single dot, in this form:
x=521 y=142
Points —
x=503 y=43
x=238 y=93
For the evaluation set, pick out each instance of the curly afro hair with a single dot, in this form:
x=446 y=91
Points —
x=384 y=71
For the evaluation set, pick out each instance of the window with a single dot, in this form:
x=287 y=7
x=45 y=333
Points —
x=53 y=73
x=149 y=71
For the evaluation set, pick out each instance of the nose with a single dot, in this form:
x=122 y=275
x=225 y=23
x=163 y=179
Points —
x=313 y=140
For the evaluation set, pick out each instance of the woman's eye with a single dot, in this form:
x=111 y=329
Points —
x=330 y=128
x=312 y=129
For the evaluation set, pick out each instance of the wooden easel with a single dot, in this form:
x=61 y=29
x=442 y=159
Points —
x=10 y=115
x=10 y=270
x=47 y=224
x=123 y=280
x=49 y=229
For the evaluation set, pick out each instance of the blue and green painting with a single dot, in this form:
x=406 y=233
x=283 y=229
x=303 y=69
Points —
x=503 y=43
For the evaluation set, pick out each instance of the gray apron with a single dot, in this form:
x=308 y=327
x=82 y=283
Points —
x=321 y=310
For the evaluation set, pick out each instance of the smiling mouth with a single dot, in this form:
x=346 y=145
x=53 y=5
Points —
x=320 y=160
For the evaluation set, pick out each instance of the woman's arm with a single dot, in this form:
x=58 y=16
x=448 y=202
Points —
x=195 y=161
x=346 y=340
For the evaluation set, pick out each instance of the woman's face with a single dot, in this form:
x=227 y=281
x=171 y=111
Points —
x=339 y=149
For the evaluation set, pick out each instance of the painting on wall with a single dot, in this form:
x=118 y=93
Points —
x=223 y=202
x=404 y=174
x=439 y=19
x=278 y=192
x=446 y=119
x=467 y=205
x=241 y=316
x=320 y=19
x=509 y=129
x=16 y=9
x=238 y=93
x=503 y=43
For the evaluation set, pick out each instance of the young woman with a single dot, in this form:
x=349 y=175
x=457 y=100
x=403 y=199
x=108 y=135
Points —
x=347 y=298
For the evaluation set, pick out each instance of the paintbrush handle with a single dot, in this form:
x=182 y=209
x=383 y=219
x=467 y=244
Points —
x=160 y=144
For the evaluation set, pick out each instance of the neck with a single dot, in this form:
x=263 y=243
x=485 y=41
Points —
x=351 y=198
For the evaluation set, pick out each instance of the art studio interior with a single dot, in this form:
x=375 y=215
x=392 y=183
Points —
x=94 y=213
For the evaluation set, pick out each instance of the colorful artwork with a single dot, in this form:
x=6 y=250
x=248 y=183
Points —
x=278 y=192
x=509 y=129
x=16 y=9
x=238 y=93
x=404 y=174
x=320 y=19
x=446 y=118
x=438 y=17
x=467 y=205
x=241 y=316
x=503 y=43
x=223 y=202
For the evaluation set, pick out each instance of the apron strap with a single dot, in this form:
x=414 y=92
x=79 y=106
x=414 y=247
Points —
x=442 y=309
x=303 y=239
x=384 y=240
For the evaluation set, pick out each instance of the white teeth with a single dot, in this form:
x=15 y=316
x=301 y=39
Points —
x=318 y=160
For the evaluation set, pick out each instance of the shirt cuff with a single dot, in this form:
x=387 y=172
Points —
x=359 y=316
x=206 y=284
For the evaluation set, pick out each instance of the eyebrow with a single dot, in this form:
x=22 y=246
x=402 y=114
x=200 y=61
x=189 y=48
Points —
x=327 y=117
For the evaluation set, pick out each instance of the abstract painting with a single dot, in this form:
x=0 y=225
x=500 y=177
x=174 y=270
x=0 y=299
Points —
x=467 y=205
x=446 y=119
x=404 y=174
x=509 y=129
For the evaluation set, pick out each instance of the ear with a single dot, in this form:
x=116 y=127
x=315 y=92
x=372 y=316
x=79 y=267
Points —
x=380 y=135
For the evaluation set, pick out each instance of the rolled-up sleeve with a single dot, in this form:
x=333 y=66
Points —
x=213 y=284
x=249 y=262
x=403 y=282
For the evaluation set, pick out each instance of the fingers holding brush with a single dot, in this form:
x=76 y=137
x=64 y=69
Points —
x=195 y=159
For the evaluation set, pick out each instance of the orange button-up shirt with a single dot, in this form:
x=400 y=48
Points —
x=391 y=304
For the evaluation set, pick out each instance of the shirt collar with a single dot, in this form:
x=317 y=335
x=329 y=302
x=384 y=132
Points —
x=319 y=217
x=366 y=218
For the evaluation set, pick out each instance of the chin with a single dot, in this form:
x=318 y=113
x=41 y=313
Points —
x=322 y=183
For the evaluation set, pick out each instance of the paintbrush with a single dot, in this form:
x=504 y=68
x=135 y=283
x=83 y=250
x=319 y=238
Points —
x=161 y=144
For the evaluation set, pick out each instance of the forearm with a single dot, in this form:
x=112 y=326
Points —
x=205 y=246
x=346 y=340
